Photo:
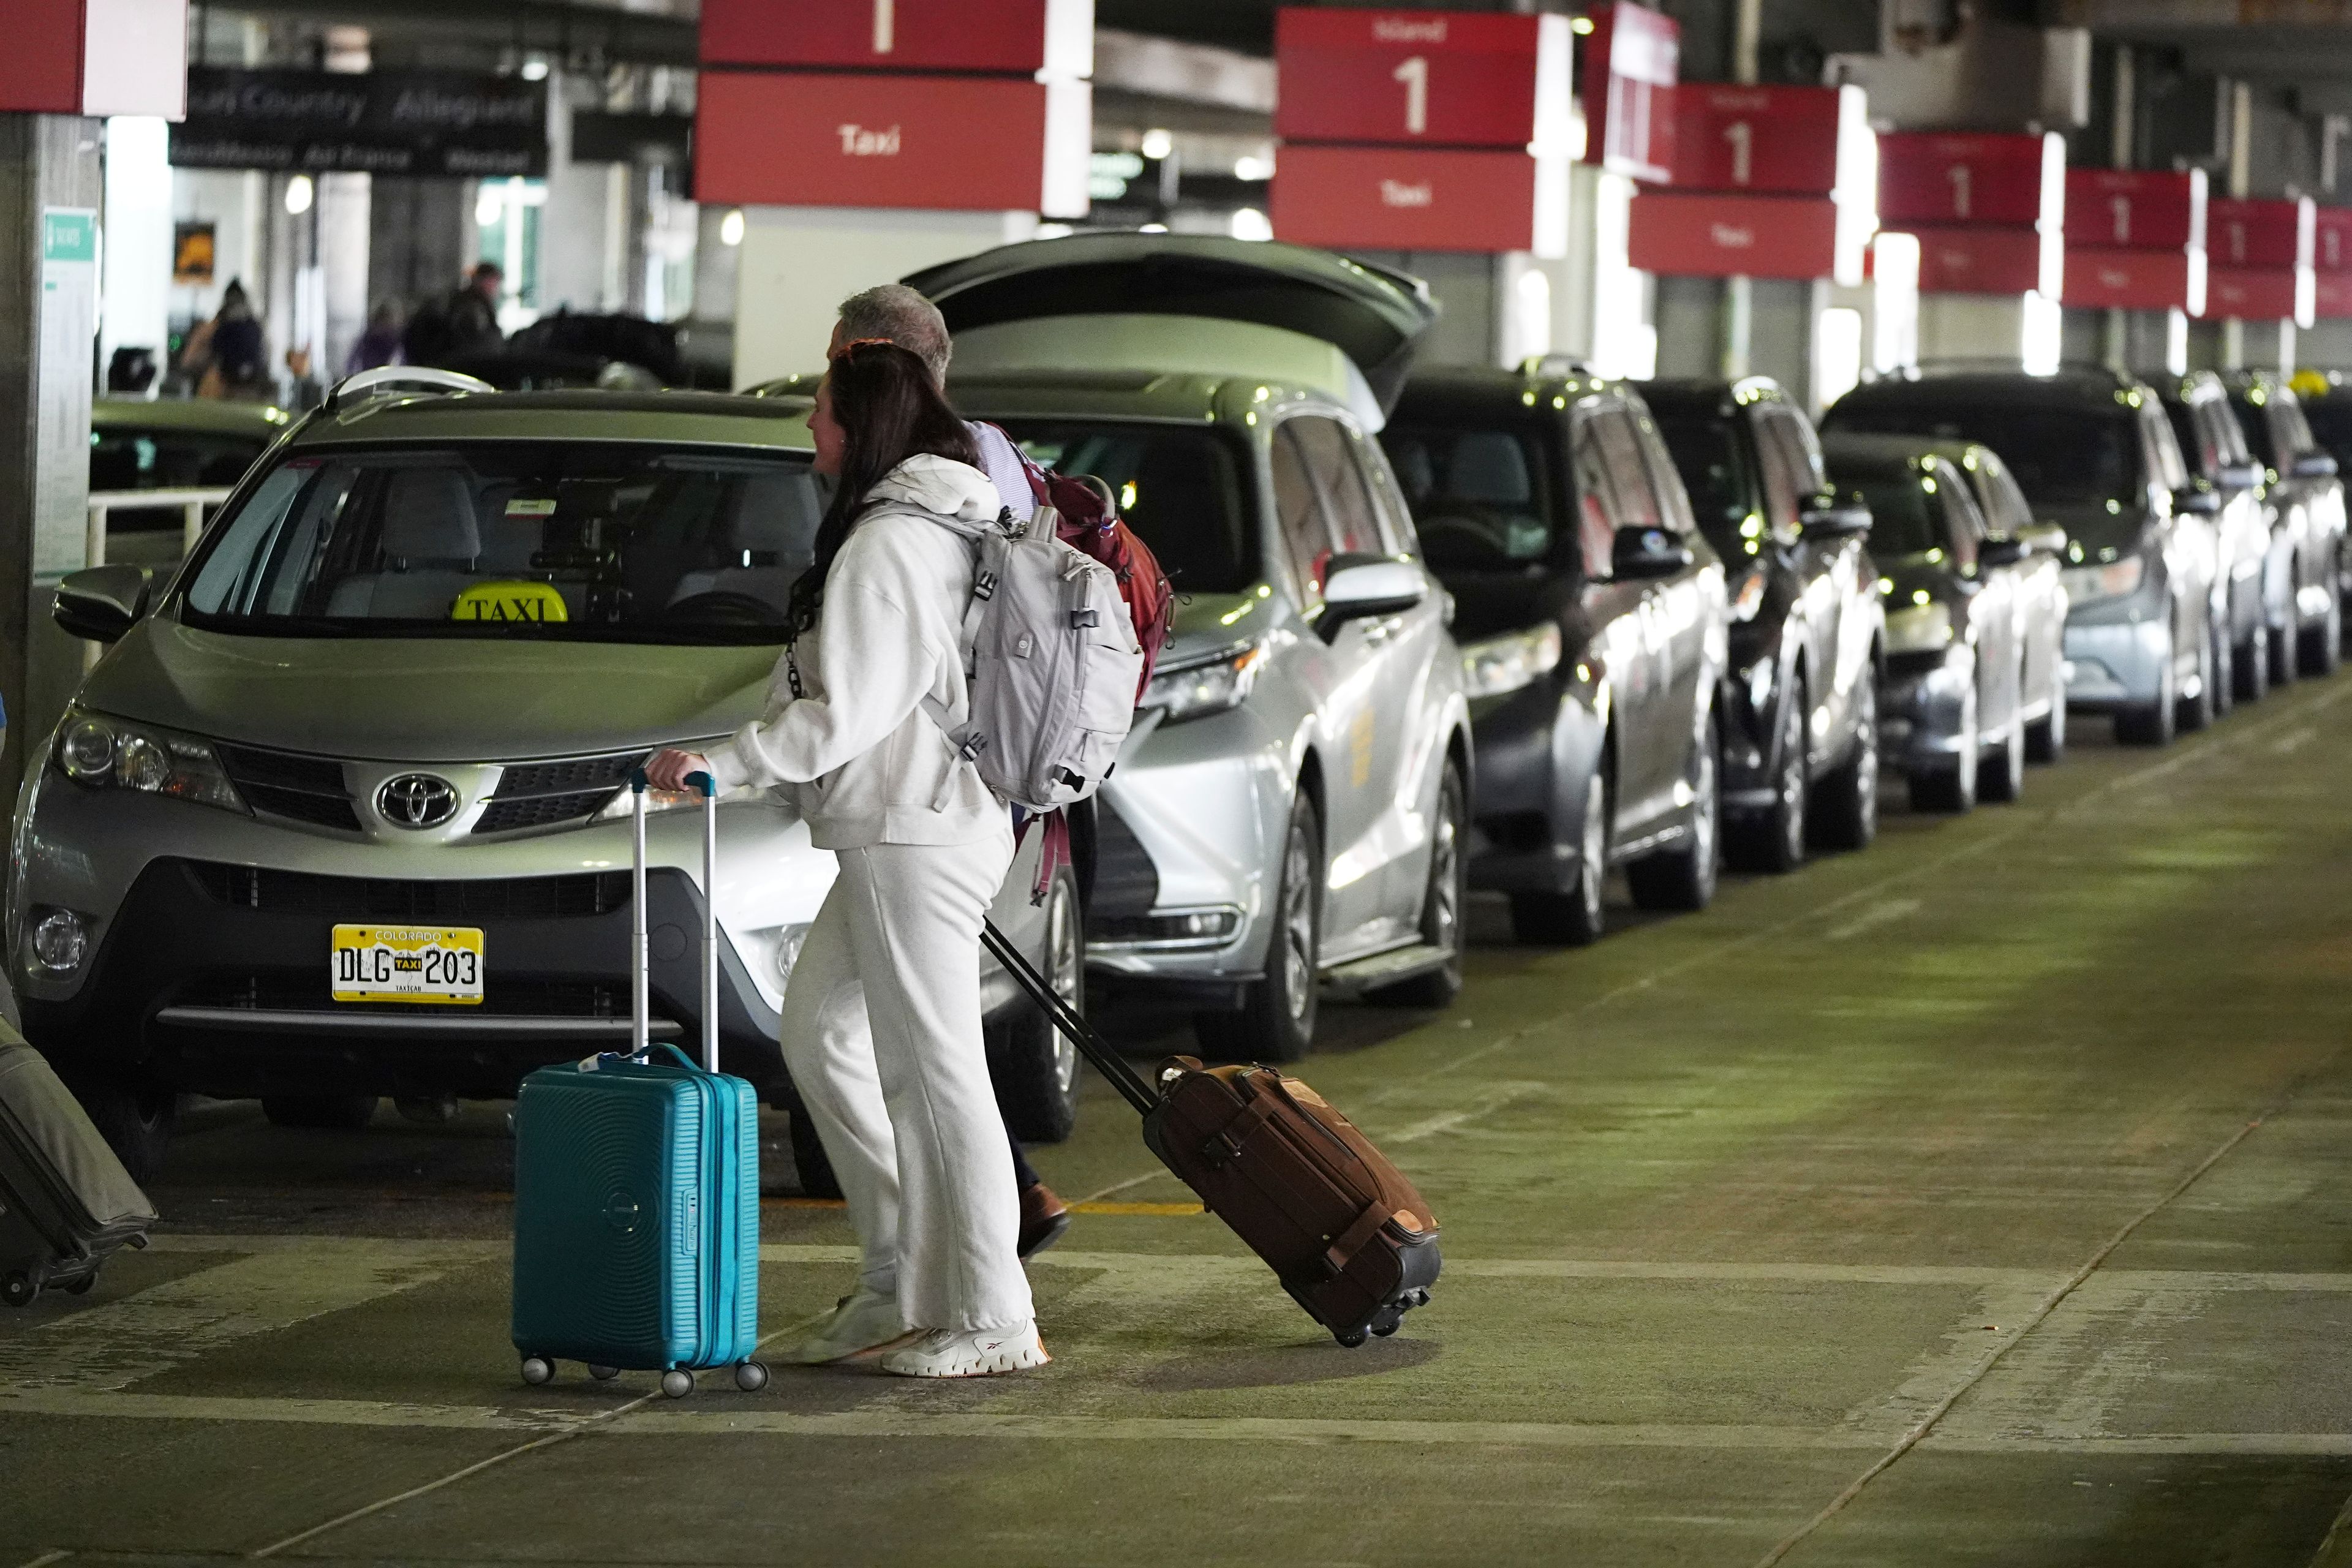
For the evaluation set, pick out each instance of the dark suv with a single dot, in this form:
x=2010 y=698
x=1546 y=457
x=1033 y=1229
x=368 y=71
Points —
x=1592 y=616
x=2094 y=453
x=1801 y=733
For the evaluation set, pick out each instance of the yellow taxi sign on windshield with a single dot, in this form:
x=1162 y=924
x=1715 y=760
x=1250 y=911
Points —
x=509 y=600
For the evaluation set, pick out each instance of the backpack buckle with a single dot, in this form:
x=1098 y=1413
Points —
x=1088 y=618
x=983 y=585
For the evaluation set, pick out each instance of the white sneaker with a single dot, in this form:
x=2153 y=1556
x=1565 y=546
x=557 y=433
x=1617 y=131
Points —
x=863 y=1321
x=969 y=1352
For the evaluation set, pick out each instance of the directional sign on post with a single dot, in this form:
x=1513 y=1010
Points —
x=2136 y=279
x=1631 y=59
x=2135 y=209
x=1435 y=78
x=2332 y=240
x=1015 y=36
x=2270 y=294
x=1989 y=178
x=1964 y=260
x=2259 y=234
x=1707 y=234
x=1413 y=198
x=1765 y=139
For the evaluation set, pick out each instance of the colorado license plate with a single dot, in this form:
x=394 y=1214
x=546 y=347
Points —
x=406 y=963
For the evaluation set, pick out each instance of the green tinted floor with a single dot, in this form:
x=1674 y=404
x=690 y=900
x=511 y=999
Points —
x=1979 y=1199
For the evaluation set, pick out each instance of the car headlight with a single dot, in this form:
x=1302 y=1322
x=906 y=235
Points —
x=1919 y=628
x=99 y=753
x=1750 y=598
x=1507 y=663
x=2085 y=584
x=1203 y=686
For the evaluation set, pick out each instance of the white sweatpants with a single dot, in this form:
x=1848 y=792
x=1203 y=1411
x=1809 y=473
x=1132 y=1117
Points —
x=882 y=1033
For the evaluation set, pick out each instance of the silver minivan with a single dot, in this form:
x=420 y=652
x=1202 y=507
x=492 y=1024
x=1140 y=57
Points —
x=1289 y=817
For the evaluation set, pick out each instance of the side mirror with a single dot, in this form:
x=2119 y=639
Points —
x=2197 y=497
x=102 y=603
x=1830 y=520
x=2002 y=550
x=2238 y=475
x=1362 y=587
x=2313 y=465
x=1635 y=553
x=2046 y=537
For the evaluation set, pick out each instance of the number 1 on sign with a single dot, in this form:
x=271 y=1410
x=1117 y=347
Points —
x=886 y=25
x=2122 y=205
x=1742 y=137
x=1415 y=74
x=1958 y=174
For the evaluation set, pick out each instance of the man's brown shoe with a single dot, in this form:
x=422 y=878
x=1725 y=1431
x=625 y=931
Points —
x=1042 y=1220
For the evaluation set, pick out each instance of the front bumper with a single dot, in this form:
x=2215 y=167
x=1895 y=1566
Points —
x=1922 y=710
x=2115 y=663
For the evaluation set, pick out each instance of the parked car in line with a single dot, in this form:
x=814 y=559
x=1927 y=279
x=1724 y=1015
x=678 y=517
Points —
x=2259 y=548
x=1975 y=621
x=1288 y=818
x=1801 y=729
x=1593 y=616
x=170 y=444
x=2095 y=455
x=381 y=726
x=2308 y=494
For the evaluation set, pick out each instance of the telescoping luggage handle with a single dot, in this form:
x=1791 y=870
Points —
x=640 y=943
x=1064 y=1017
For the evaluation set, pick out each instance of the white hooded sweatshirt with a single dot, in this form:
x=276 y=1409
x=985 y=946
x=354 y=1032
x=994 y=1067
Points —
x=856 y=751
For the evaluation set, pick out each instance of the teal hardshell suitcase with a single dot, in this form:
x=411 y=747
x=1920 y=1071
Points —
x=637 y=1224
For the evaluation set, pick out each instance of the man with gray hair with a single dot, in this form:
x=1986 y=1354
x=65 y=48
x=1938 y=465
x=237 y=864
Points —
x=897 y=314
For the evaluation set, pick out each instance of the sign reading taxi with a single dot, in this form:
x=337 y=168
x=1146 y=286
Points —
x=1421 y=199
x=406 y=963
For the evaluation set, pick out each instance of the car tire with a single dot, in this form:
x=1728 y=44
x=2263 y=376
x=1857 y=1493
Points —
x=133 y=1116
x=1444 y=903
x=2285 y=667
x=1578 y=916
x=1033 y=1064
x=812 y=1166
x=1845 y=808
x=2250 y=664
x=2151 y=723
x=2323 y=645
x=1684 y=878
x=319 y=1112
x=1276 y=1020
x=2002 y=778
x=1774 y=842
x=2196 y=712
x=1953 y=789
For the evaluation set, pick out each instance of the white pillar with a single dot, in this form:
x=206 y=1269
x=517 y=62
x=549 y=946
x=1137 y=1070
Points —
x=135 y=290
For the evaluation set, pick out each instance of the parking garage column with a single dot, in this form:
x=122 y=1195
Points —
x=866 y=139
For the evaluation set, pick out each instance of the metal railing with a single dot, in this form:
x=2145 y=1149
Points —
x=192 y=503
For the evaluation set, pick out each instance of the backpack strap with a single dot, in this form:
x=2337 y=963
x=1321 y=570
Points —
x=968 y=743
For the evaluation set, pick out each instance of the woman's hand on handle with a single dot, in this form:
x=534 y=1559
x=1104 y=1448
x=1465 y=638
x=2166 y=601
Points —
x=669 y=769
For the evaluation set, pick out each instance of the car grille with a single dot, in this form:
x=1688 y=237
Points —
x=274 y=991
x=579 y=895
x=540 y=794
x=1126 y=882
x=280 y=784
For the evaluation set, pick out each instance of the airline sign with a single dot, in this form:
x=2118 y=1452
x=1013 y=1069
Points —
x=1415 y=198
x=1431 y=79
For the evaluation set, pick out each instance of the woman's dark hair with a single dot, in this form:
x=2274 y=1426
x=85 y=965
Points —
x=889 y=408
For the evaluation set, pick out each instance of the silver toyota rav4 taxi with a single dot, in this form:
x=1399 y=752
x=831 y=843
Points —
x=342 y=811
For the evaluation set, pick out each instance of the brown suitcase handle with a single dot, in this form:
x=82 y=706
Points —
x=1091 y=1046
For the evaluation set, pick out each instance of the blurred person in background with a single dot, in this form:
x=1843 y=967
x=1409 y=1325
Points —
x=383 y=342
x=465 y=322
x=226 y=355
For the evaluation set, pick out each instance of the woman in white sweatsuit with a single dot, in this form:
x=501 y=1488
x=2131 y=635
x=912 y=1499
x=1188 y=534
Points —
x=881 y=1018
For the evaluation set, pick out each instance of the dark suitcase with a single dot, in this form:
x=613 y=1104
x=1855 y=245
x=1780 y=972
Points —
x=65 y=1203
x=1340 y=1227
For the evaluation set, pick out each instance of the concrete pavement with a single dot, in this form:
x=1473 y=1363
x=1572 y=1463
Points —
x=1978 y=1199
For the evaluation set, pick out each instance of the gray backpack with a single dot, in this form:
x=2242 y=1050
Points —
x=1051 y=662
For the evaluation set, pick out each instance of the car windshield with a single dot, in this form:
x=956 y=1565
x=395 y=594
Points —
x=2059 y=457
x=1904 y=518
x=2331 y=425
x=2276 y=432
x=1476 y=494
x=1178 y=488
x=1715 y=470
x=595 y=541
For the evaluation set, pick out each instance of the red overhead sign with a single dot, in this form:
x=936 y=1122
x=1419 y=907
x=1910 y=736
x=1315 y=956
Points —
x=2136 y=279
x=865 y=140
x=96 y=57
x=2135 y=209
x=1438 y=78
x=1977 y=177
x=2332 y=240
x=1762 y=139
x=2259 y=234
x=1986 y=261
x=1416 y=199
x=2332 y=295
x=1019 y=37
x=1689 y=234
x=1631 y=58
x=2261 y=294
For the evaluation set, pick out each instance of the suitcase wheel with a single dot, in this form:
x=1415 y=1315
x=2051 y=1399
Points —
x=19 y=1289
x=1351 y=1338
x=537 y=1370
x=81 y=1286
x=677 y=1383
x=752 y=1376
x=604 y=1374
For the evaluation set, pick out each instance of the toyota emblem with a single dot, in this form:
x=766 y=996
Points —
x=417 y=800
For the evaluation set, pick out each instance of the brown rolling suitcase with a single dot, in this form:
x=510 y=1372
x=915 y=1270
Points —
x=65 y=1203
x=1340 y=1227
